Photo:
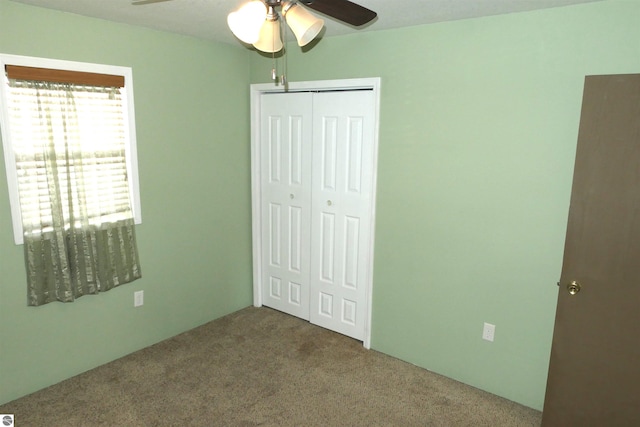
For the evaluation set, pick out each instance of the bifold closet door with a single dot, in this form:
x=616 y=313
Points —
x=341 y=209
x=286 y=129
x=316 y=206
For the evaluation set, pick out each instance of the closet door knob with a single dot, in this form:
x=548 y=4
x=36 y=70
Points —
x=329 y=203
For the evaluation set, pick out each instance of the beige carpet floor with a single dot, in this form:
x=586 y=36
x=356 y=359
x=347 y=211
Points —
x=259 y=367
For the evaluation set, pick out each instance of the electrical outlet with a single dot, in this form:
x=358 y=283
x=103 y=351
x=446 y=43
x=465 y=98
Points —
x=488 y=332
x=138 y=298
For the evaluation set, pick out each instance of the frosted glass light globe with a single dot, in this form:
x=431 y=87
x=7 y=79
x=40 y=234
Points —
x=246 y=22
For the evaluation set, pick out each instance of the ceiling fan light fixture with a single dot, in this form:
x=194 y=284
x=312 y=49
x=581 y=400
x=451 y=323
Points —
x=304 y=25
x=269 y=40
x=246 y=22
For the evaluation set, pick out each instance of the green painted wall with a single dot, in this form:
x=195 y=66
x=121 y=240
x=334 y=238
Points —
x=195 y=240
x=479 y=122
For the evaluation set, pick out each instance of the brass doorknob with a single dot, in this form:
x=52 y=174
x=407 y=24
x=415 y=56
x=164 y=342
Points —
x=573 y=287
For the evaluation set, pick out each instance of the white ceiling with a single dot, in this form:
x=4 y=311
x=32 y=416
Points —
x=206 y=19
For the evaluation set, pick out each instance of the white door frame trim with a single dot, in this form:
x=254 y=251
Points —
x=257 y=90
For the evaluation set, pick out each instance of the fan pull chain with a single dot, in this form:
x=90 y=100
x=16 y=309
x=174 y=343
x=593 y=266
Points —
x=283 y=78
x=280 y=79
x=274 y=70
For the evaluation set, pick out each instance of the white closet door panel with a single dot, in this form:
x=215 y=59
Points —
x=342 y=182
x=286 y=202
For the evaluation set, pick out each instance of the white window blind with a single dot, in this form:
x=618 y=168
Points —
x=99 y=145
x=96 y=140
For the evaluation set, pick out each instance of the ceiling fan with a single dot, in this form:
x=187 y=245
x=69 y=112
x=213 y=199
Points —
x=259 y=22
x=256 y=21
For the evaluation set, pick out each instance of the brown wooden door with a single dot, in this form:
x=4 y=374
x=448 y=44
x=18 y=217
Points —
x=594 y=372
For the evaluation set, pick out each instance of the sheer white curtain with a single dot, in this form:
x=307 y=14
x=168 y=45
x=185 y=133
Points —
x=69 y=144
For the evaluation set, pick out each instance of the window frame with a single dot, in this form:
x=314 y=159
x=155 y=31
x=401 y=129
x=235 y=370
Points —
x=131 y=152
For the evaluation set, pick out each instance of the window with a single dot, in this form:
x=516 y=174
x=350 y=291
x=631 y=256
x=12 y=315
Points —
x=104 y=114
x=69 y=144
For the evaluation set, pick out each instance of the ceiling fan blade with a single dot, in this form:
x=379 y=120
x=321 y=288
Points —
x=342 y=10
x=141 y=2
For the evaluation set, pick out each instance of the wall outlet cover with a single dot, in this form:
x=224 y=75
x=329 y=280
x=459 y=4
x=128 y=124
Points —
x=488 y=332
x=138 y=298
